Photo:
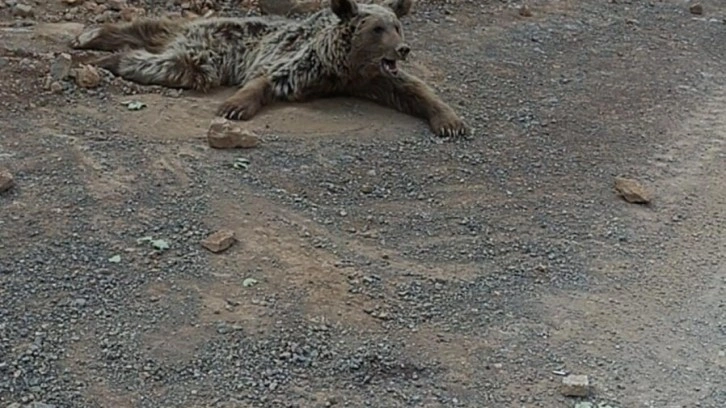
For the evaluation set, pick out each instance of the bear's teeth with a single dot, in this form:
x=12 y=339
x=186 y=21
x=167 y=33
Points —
x=389 y=66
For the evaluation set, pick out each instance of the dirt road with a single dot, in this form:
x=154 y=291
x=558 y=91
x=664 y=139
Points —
x=377 y=265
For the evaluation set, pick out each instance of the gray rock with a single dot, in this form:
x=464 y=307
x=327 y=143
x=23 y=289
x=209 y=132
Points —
x=60 y=69
x=23 y=11
x=575 y=386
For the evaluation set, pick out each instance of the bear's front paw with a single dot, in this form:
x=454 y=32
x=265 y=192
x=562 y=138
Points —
x=448 y=124
x=238 y=109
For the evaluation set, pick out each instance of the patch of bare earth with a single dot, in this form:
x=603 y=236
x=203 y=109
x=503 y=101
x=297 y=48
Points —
x=376 y=265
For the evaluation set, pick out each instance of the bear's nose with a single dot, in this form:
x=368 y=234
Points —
x=403 y=50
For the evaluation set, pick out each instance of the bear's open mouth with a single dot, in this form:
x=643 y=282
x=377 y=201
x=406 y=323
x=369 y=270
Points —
x=388 y=66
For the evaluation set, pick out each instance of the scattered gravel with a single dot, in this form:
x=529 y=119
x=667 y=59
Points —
x=458 y=273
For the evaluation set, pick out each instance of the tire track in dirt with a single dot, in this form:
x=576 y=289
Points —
x=660 y=340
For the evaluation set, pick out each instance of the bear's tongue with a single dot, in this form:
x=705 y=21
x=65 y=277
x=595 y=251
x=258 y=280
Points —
x=389 y=65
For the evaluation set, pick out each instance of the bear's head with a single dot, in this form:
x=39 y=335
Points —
x=377 y=41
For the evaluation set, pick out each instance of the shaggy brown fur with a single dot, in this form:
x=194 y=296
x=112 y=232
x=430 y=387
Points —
x=346 y=49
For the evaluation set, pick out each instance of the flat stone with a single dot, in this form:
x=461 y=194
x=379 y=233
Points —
x=224 y=135
x=61 y=67
x=219 y=241
x=632 y=191
x=575 y=386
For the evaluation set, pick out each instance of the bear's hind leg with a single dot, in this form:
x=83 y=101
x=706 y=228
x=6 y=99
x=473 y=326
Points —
x=149 y=34
x=248 y=100
x=172 y=68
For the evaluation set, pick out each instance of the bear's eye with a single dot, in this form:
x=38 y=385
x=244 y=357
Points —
x=379 y=29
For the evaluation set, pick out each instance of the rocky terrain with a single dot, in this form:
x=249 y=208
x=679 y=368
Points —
x=580 y=230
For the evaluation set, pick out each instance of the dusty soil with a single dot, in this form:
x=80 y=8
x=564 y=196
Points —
x=390 y=268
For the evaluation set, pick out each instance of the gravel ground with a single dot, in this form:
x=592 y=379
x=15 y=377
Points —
x=377 y=266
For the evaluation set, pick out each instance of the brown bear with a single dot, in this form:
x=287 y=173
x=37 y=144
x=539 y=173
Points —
x=347 y=49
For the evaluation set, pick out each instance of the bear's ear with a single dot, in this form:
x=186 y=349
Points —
x=402 y=8
x=345 y=9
